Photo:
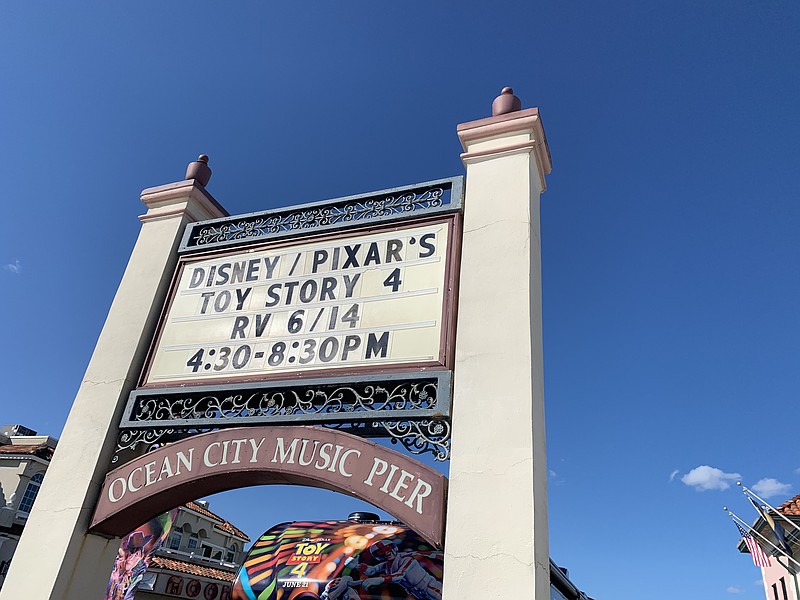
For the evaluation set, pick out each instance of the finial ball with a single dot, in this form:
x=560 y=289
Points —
x=199 y=170
x=506 y=103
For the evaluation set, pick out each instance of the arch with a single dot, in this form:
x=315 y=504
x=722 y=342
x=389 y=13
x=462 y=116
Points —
x=245 y=456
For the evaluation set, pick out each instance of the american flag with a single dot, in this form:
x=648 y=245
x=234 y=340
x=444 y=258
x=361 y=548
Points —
x=760 y=559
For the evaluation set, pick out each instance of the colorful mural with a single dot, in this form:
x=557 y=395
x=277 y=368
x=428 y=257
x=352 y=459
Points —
x=340 y=560
x=134 y=554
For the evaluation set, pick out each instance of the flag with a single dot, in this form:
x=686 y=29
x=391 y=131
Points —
x=778 y=531
x=760 y=559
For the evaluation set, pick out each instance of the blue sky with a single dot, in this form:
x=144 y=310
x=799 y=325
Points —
x=669 y=228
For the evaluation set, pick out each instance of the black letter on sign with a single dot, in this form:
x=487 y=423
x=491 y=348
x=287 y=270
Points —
x=393 y=248
x=320 y=256
x=351 y=342
x=198 y=275
x=423 y=241
x=352 y=259
x=375 y=345
x=239 y=327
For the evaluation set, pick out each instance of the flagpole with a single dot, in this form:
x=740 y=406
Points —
x=747 y=490
x=736 y=519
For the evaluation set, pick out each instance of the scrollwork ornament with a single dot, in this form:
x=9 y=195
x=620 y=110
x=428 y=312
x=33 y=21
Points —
x=311 y=218
x=130 y=439
x=309 y=401
x=419 y=437
x=404 y=410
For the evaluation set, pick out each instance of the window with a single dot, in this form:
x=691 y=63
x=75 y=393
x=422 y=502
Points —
x=230 y=556
x=555 y=594
x=31 y=491
x=192 y=542
x=783 y=589
x=175 y=540
x=775 y=591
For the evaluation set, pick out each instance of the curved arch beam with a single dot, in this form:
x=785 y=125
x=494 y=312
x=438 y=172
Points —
x=298 y=455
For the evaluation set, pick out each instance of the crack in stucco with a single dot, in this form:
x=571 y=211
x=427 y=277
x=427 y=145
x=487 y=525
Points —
x=498 y=222
x=63 y=509
x=542 y=566
x=502 y=473
x=471 y=356
x=501 y=555
x=96 y=383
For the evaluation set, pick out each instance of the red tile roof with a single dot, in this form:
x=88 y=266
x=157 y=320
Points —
x=40 y=450
x=160 y=562
x=791 y=507
x=221 y=523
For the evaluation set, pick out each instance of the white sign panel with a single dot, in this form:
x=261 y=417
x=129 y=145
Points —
x=356 y=301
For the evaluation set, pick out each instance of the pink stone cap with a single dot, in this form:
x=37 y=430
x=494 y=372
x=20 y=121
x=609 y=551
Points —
x=514 y=122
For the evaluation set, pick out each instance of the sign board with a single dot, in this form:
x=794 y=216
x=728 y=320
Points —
x=300 y=455
x=342 y=302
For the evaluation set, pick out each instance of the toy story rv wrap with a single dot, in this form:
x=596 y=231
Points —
x=340 y=560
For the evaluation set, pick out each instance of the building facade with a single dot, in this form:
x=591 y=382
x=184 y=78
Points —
x=24 y=458
x=781 y=580
x=561 y=588
x=199 y=558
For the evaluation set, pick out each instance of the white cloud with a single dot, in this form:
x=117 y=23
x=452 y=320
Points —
x=552 y=474
x=734 y=589
x=704 y=478
x=15 y=267
x=672 y=475
x=769 y=487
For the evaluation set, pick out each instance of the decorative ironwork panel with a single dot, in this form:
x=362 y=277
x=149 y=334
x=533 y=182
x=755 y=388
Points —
x=410 y=409
x=387 y=205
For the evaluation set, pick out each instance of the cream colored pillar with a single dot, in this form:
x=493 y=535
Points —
x=496 y=543
x=56 y=557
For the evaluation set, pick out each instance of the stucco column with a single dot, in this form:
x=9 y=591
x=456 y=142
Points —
x=496 y=542
x=56 y=558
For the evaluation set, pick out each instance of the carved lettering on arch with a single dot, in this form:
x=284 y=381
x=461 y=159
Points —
x=300 y=455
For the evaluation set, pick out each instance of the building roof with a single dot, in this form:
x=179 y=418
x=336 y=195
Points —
x=180 y=566
x=42 y=451
x=791 y=507
x=220 y=523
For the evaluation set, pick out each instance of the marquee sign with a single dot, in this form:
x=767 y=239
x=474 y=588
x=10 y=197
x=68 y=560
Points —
x=345 y=302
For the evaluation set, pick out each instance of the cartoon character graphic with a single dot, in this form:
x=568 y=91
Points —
x=402 y=568
x=129 y=566
x=134 y=554
x=341 y=588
